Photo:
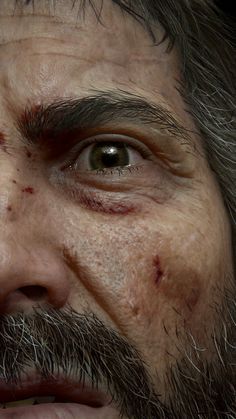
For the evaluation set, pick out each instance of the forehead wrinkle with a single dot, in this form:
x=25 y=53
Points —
x=96 y=9
x=22 y=5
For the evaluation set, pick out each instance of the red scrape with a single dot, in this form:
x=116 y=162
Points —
x=159 y=270
x=2 y=138
x=29 y=189
x=2 y=142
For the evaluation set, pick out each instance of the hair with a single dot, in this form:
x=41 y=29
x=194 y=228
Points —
x=205 y=43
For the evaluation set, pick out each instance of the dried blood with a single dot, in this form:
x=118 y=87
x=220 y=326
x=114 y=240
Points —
x=28 y=189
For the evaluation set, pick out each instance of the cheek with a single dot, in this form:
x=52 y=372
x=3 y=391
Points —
x=176 y=286
x=165 y=288
x=182 y=292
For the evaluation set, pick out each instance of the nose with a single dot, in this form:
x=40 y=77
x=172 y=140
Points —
x=31 y=277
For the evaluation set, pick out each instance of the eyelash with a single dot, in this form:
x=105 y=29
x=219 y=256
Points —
x=119 y=170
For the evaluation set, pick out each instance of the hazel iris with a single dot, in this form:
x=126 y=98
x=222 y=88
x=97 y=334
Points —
x=108 y=154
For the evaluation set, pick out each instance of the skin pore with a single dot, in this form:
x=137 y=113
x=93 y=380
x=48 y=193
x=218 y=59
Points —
x=147 y=250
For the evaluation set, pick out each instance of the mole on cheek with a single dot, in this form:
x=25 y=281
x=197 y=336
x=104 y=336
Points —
x=9 y=208
x=159 y=271
x=28 y=153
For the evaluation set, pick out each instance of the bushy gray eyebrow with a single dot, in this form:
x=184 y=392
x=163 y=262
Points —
x=94 y=110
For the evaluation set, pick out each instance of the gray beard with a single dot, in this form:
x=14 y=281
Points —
x=82 y=345
x=203 y=389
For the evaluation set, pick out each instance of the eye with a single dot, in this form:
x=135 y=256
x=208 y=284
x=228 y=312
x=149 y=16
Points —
x=107 y=153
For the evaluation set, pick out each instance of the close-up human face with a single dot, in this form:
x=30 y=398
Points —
x=114 y=233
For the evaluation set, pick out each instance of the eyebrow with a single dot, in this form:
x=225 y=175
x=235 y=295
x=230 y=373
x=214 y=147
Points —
x=68 y=115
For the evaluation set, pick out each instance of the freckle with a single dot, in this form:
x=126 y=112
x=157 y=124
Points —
x=9 y=208
x=28 y=153
x=29 y=190
x=18 y=170
x=14 y=181
x=159 y=271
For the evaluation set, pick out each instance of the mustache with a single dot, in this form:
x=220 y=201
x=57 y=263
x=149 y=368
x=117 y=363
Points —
x=79 y=345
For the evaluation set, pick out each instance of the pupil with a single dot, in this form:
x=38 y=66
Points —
x=105 y=155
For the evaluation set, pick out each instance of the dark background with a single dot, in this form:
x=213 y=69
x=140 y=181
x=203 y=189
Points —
x=227 y=7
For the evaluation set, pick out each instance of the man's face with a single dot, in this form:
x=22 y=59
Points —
x=145 y=248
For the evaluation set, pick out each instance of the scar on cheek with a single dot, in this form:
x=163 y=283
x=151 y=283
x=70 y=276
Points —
x=159 y=271
x=28 y=189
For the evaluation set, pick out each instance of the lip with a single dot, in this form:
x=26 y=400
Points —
x=74 y=400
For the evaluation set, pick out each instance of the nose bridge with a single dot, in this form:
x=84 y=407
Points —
x=32 y=269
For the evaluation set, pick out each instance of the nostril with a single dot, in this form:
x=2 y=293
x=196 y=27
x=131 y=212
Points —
x=34 y=292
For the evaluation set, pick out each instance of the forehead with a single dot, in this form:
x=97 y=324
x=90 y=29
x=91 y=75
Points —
x=67 y=51
x=104 y=26
x=78 y=21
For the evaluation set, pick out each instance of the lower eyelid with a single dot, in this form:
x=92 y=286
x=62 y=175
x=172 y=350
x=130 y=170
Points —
x=114 y=194
x=141 y=177
x=108 y=206
x=117 y=202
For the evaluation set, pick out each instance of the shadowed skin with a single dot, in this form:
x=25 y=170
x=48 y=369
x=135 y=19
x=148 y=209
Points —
x=147 y=250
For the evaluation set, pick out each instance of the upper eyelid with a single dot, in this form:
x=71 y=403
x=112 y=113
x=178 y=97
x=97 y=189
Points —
x=142 y=149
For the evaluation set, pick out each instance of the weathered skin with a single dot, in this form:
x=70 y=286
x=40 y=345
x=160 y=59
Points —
x=157 y=265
